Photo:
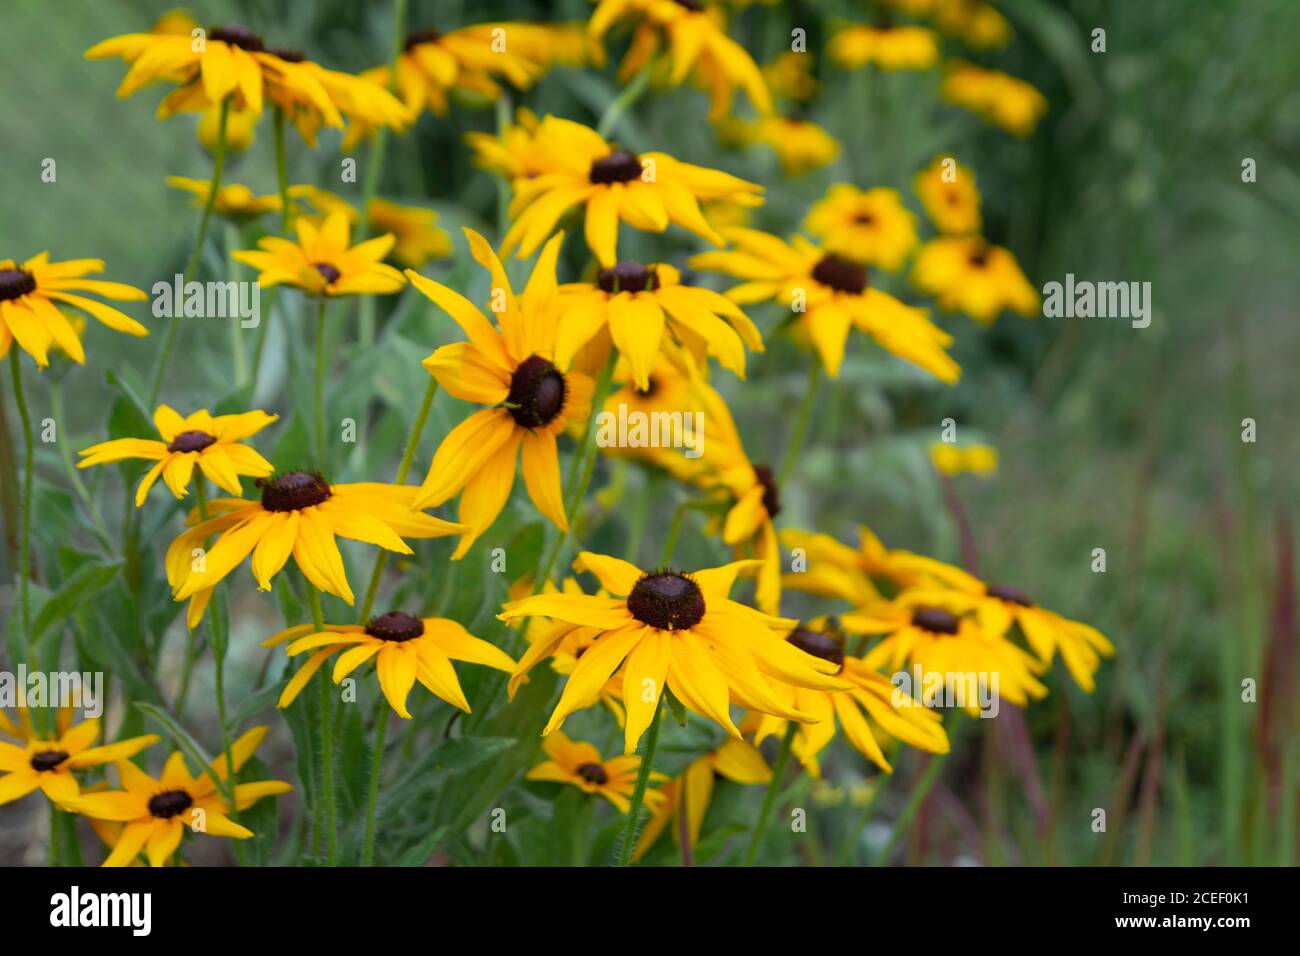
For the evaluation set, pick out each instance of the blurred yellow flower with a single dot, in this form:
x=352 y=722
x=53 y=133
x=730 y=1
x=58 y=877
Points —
x=996 y=97
x=233 y=201
x=969 y=274
x=885 y=46
x=241 y=129
x=800 y=145
x=947 y=191
x=974 y=459
x=870 y=226
x=790 y=76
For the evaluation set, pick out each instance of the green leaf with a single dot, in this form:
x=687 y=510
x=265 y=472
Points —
x=418 y=854
x=84 y=582
x=195 y=755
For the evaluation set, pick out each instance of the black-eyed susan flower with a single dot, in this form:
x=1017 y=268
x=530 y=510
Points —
x=155 y=812
x=933 y=631
x=829 y=295
x=300 y=515
x=29 y=299
x=642 y=305
x=833 y=569
x=872 y=711
x=976 y=23
x=800 y=144
x=949 y=459
x=323 y=262
x=998 y=606
x=737 y=760
x=235 y=201
x=693 y=40
x=675 y=630
x=405 y=649
x=48 y=765
x=579 y=764
x=509 y=152
x=947 y=191
x=870 y=226
x=790 y=76
x=515 y=370
x=885 y=45
x=418 y=237
x=996 y=97
x=647 y=191
x=213 y=442
x=969 y=274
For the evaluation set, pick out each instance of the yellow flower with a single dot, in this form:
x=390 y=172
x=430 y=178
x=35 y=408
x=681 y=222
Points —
x=695 y=43
x=211 y=442
x=299 y=515
x=870 y=226
x=405 y=649
x=790 y=75
x=322 y=261
x=978 y=24
x=737 y=760
x=968 y=274
x=580 y=764
x=157 y=811
x=579 y=168
x=947 y=191
x=929 y=629
x=800 y=145
x=28 y=313
x=887 y=46
x=511 y=153
x=48 y=765
x=419 y=238
x=643 y=306
x=514 y=369
x=830 y=295
x=234 y=201
x=873 y=708
x=951 y=460
x=837 y=570
x=676 y=630
x=997 y=606
x=996 y=97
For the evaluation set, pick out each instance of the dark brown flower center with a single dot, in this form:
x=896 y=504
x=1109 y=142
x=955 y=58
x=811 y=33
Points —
x=771 y=493
x=817 y=644
x=841 y=275
x=667 y=600
x=619 y=166
x=416 y=37
x=15 y=283
x=293 y=491
x=537 y=392
x=934 y=620
x=692 y=5
x=48 y=759
x=170 y=803
x=395 y=626
x=593 y=773
x=289 y=56
x=864 y=219
x=628 y=277
x=979 y=258
x=1007 y=593
x=191 y=441
x=239 y=36
x=328 y=272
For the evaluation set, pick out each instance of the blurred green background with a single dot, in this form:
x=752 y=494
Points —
x=1110 y=437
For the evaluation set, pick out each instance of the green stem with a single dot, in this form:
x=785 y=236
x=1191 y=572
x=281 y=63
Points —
x=376 y=777
x=638 y=791
x=621 y=103
x=282 y=172
x=196 y=254
x=904 y=820
x=74 y=478
x=584 y=463
x=773 y=788
x=403 y=469
x=327 y=739
x=801 y=423
x=845 y=856
x=25 y=529
x=320 y=383
x=238 y=360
